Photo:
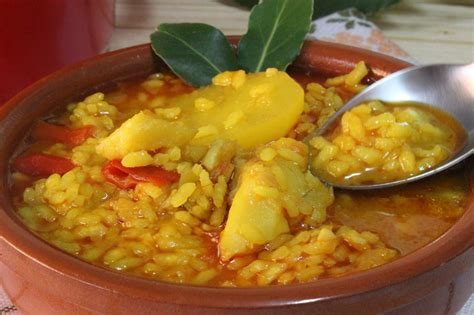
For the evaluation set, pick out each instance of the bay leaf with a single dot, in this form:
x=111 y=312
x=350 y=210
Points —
x=195 y=52
x=276 y=32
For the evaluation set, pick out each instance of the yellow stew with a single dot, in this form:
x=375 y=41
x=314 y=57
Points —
x=211 y=186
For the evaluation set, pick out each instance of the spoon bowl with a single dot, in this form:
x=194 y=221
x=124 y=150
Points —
x=449 y=88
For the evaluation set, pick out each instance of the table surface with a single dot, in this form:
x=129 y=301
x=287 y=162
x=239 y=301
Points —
x=432 y=31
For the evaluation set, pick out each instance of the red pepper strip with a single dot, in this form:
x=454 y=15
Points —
x=39 y=164
x=54 y=133
x=128 y=177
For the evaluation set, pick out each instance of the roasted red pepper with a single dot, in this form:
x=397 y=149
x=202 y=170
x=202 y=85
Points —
x=128 y=177
x=59 y=134
x=39 y=164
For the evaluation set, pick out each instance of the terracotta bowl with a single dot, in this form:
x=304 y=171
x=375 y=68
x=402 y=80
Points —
x=436 y=279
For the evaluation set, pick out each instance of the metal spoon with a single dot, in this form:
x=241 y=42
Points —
x=447 y=87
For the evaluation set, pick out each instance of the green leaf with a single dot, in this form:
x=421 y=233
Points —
x=275 y=34
x=336 y=20
x=358 y=14
x=325 y=7
x=344 y=13
x=364 y=24
x=247 y=3
x=195 y=52
x=350 y=25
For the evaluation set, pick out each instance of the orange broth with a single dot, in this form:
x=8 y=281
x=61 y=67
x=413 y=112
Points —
x=405 y=218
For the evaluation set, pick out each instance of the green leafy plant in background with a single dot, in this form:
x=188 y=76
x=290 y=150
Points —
x=197 y=52
x=326 y=7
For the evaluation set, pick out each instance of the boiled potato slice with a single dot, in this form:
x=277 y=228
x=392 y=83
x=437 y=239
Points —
x=263 y=107
x=253 y=219
x=144 y=131
x=269 y=191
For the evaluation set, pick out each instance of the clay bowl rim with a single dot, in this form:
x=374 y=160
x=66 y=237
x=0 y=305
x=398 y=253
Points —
x=452 y=243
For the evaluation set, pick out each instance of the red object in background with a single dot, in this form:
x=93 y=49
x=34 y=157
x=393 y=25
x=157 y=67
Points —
x=40 y=36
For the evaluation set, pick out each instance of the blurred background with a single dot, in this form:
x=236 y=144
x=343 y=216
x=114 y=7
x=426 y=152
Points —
x=40 y=36
x=431 y=31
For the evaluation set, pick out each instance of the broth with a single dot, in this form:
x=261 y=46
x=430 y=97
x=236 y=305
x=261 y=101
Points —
x=184 y=229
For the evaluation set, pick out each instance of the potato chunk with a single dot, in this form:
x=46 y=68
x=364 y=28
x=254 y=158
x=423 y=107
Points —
x=270 y=190
x=144 y=131
x=253 y=219
x=257 y=110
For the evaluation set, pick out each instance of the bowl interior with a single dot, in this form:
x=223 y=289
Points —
x=103 y=73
